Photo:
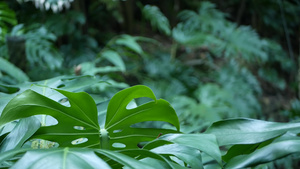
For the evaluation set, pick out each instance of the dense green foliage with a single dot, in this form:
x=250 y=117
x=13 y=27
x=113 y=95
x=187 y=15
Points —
x=78 y=78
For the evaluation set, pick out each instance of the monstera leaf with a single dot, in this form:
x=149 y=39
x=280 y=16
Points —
x=68 y=83
x=78 y=124
x=81 y=113
x=119 y=119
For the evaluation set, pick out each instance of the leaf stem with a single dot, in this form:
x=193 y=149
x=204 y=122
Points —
x=104 y=139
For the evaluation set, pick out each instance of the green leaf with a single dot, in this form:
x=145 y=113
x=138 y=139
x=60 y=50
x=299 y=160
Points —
x=11 y=153
x=241 y=149
x=119 y=119
x=157 y=18
x=79 y=119
x=61 y=158
x=89 y=68
x=130 y=42
x=73 y=158
x=82 y=113
x=22 y=131
x=203 y=142
x=114 y=58
x=266 y=154
x=185 y=37
x=69 y=83
x=187 y=154
x=7 y=17
x=13 y=71
x=78 y=158
x=248 y=131
x=124 y=159
x=151 y=158
x=40 y=48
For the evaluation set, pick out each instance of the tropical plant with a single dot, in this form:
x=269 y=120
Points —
x=209 y=27
x=40 y=48
x=79 y=139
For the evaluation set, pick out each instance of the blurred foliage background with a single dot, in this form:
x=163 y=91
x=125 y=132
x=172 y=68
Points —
x=211 y=59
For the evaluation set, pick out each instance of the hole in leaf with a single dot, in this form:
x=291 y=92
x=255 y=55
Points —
x=41 y=144
x=47 y=120
x=117 y=131
x=79 y=128
x=142 y=144
x=61 y=86
x=137 y=102
x=65 y=102
x=131 y=105
x=79 y=141
x=142 y=100
x=118 y=145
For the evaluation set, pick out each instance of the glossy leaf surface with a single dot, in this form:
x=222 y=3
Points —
x=265 y=154
x=119 y=119
x=81 y=113
x=22 y=131
x=68 y=83
x=248 y=131
x=60 y=158
x=80 y=120
x=206 y=143
x=187 y=154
